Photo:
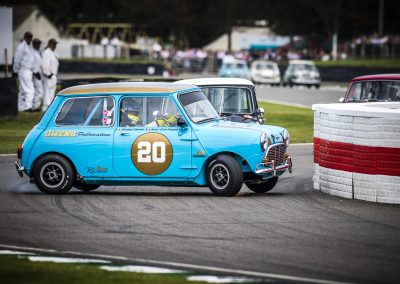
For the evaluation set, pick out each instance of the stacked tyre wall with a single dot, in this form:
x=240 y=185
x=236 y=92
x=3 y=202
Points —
x=357 y=151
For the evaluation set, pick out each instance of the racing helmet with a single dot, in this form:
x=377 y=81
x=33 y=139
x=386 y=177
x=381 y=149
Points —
x=131 y=110
x=130 y=107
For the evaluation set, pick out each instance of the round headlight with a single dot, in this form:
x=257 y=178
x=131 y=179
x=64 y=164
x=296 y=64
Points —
x=286 y=138
x=264 y=141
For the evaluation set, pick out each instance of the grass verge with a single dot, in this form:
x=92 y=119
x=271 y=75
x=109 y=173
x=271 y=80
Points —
x=299 y=122
x=375 y=63
x=13 y=130
x=16 y=270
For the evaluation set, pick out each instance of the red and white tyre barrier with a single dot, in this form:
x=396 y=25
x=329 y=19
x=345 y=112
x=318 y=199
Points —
x=357 y=150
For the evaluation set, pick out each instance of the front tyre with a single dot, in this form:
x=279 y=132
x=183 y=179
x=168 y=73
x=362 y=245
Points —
x=224 y=176
x=53 y=174
x=263 y=187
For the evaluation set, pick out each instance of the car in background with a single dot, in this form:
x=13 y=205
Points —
x=302 y=72
x=148 y=134
x=234 y=69
x=233 y=98
x=373 y=88
x=265 y=72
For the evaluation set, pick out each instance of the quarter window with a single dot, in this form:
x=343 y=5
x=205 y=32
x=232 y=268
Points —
x=95 y=111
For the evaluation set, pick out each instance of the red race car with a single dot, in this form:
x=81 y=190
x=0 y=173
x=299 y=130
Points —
x=373 y=88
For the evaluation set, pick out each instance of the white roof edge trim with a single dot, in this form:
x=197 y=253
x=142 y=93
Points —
x=215 y=81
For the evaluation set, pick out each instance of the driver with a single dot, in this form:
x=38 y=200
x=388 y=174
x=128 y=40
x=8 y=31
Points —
x=130 y=114
x=169 y=120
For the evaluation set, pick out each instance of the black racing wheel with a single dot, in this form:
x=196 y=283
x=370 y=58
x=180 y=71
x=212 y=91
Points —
x=264 y=186
x=224 y=176
x=53 y=174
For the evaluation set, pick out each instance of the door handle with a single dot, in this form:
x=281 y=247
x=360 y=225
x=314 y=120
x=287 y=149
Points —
x=124 y=133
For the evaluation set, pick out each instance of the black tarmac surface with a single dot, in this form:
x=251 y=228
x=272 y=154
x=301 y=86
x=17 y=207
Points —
x=293 y=230
x=301 y=96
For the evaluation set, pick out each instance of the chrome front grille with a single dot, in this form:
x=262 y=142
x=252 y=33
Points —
x=277 y=153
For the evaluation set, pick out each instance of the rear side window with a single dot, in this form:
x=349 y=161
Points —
x=95 y=111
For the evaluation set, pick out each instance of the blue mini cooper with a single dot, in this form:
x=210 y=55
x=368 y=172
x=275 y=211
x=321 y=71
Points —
x=148 y=134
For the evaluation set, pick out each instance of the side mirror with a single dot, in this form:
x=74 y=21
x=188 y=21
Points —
x=260 y=110
x=341 y=100
x=181 y=122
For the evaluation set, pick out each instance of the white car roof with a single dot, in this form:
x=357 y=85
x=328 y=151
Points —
x=215 y=81
x=297 y=61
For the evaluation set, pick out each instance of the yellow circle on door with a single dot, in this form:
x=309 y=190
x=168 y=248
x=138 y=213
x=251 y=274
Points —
x=151 y=153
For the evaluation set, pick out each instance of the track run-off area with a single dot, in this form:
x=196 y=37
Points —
x=292 y=231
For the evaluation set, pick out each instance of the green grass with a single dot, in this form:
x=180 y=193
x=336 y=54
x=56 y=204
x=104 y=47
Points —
x=299 y=121
x=20 y=270
x=14 y=130
x=385 y=63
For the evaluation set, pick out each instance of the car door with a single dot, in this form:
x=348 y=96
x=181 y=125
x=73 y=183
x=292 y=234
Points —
x=148 y=142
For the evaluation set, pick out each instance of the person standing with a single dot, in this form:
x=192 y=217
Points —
x=23 y=65
x=49 y=68
x=37 y=76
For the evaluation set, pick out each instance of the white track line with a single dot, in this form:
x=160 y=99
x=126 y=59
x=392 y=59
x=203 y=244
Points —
x=178 y=265
x=8 y=155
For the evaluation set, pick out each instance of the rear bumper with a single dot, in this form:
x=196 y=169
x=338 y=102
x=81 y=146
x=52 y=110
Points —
x=269 y=80
x=19 y=168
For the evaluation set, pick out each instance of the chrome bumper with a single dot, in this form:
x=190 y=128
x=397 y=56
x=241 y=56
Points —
x=20 y=170
x=270 y=167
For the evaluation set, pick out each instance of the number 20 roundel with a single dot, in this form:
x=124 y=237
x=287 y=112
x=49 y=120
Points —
x=152 y=153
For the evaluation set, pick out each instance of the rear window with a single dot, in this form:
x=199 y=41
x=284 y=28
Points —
x=95 y=111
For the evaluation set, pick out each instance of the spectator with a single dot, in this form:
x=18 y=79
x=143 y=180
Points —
x=50 y=70
x=117 y=45
x=104 y=42
x=37 y=76
x=23 y=65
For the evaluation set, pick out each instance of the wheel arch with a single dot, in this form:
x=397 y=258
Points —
x=242 y=161
x=51 y=153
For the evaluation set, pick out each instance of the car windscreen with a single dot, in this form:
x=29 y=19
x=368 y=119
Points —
x=197 y=107
x=261 y=66
x=305 y=67
x=374 y=91
x=230 y=100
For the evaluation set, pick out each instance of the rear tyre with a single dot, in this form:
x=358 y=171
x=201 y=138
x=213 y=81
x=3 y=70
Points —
x=53 y=174
x=86 y=187
x=263 y=187
x=224 y=176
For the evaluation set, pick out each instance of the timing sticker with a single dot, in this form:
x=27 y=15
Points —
x=152 y=153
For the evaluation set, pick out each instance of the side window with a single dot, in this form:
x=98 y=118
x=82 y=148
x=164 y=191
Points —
x=94 y=111
x=131 y=112
x=148 y=112
x=355 y=92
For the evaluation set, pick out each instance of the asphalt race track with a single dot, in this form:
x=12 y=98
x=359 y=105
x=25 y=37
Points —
x=293 y=230
x=301 y=96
